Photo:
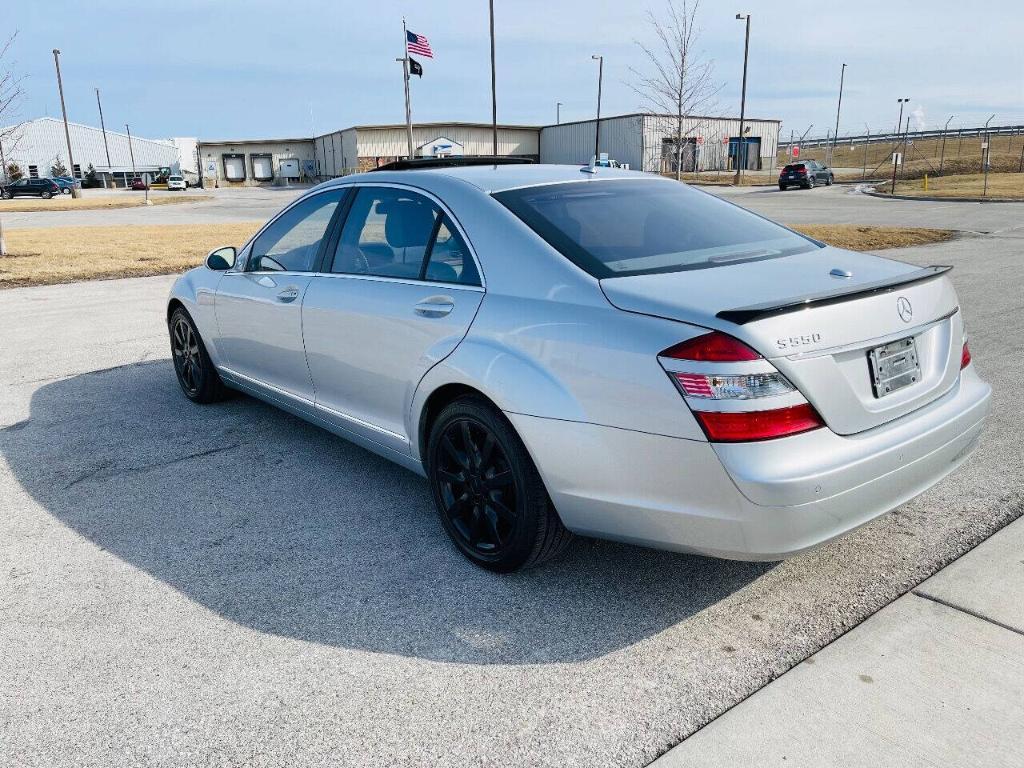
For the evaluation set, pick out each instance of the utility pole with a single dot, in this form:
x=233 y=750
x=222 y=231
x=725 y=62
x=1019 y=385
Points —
x=405 y=74
x=835 y=133
x=103 y=128
x=899 y=122
x=67 y=132
x=3 y=161
x=986 y=154
x=867 y=140
x=558 y=113
x=131 y=152
x=597 y=123
x=741 y=157
x=494 y=93
x=942 y=154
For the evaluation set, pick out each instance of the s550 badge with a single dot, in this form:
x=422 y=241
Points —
x=798 y=341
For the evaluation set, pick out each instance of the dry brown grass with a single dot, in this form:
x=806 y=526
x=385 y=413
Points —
x=68 y=203
x=960 y=156
x=68 y=254
x=857 y=238
x=1005 y=185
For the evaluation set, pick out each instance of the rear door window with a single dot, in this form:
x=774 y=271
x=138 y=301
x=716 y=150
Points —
x=620 y=227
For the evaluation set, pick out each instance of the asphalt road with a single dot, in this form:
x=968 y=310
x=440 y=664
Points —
x=228 y=586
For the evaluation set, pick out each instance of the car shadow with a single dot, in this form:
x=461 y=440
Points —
x=281 y=527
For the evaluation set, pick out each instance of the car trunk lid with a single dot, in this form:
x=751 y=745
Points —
x=819 y=330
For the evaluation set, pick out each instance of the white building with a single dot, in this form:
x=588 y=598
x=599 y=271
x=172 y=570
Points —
x=646 y=142
x=36 y=144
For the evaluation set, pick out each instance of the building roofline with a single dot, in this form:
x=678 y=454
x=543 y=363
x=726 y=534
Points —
x=656 y=114
x=444 y=124
x=200 y=142
x=47 y=118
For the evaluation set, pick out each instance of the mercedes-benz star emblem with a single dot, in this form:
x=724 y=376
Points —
x=903 y=308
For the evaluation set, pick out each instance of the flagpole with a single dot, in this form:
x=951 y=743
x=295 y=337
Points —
x=405 y=72
x=494 y=95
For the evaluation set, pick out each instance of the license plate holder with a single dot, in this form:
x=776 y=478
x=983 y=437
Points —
x=894 y=366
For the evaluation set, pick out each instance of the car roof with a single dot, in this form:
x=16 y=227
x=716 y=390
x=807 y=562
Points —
x=496 y=178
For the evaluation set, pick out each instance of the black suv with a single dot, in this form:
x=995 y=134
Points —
x=45 y=188
x=806 y=174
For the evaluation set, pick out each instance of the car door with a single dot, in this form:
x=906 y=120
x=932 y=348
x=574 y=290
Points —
x=258 y=306
x=398 y=292
x=21 y=187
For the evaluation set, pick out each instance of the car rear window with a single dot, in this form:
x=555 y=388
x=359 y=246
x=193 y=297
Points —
x=621 y=227
x=795 y=167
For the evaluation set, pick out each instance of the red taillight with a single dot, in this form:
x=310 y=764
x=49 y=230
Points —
x=801 y=171
x=965 y=357
x=714 y=347
x=747 y=426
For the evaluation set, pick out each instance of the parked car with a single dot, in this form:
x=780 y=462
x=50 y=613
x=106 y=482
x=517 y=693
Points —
x=66 y=183
x=806 y=174
x=45 y=188
x=601 y=352
x=176 y=182
x=139 y=184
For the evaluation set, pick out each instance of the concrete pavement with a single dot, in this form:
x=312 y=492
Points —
x=228 y=585
x=934 y=679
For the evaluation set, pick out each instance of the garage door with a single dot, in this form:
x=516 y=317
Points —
x=234 y=168
x=290 y=168
x=262 y=168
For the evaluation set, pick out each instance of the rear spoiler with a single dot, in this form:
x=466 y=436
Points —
x=742 y=315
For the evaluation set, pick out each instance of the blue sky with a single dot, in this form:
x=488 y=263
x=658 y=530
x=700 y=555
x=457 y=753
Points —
x=257 y=68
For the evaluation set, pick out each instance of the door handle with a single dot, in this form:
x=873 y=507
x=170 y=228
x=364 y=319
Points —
x=288 y=295
x=435 y=306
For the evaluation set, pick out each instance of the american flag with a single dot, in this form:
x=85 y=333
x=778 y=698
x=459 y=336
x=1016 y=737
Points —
x=418 y=44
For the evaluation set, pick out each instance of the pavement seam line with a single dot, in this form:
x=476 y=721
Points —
x=968 y=611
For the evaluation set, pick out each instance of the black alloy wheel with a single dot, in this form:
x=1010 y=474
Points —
x=47 y=194
x=489 y=495
x=810 y=182
x=192 y=365
x=829 y=180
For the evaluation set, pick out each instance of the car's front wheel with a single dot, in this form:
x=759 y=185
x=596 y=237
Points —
x=47 y=195
x=489 y=495
x=192 y=365
x=6 y=195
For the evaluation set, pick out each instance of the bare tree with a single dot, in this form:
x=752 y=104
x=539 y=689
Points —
x=10 y=96
x=678 y=83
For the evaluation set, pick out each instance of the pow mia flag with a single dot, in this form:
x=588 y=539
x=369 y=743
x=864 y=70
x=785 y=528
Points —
x=415 y=68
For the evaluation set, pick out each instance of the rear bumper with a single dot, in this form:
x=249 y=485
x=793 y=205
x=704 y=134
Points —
x=749 y=501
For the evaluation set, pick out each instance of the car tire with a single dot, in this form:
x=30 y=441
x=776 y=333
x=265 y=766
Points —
x=810 y=182
x=65 y=191
x=46 y=195
x=196 y=374
x=828 y=182
x=6 y=195
x=487 y=491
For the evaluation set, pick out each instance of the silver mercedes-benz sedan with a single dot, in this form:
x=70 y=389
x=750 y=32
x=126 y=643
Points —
x=593 y=351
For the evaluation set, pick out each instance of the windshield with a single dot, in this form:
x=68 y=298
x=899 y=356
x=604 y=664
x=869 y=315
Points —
x=616 y=228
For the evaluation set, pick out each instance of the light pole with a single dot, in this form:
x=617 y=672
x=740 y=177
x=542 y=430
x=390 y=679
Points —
x=867 y=140
x=103 y=128
x=67 y=131
x=494 y=93
x=741 y=157
x=899 y=122
x=942 y=155
x=835 y=133
x=558 y=113
x=131 y=152
x=597 y=123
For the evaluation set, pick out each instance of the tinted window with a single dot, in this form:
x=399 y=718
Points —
x=450 y=260
x=291 y=243
x=386 y=233
x=794 y=167
x=634 y=227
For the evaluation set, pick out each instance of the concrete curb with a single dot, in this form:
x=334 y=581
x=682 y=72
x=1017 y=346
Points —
x=933 y=199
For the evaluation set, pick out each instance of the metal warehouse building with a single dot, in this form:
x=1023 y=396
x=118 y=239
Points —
x=363 y=147
x=36 y=144
x=255 y=162
x=646 y=142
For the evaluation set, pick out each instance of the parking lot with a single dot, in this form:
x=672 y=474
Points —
x=228 y=585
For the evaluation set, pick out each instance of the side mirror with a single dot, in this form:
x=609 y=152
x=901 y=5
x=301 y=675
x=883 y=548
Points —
x=221 y=259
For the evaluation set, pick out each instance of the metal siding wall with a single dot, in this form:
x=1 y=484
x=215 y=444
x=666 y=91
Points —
x=712 y=154
x=302 y=150
x=40 y=141
x=392 y=142
x=573 y=143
